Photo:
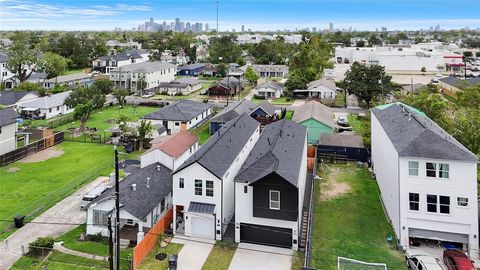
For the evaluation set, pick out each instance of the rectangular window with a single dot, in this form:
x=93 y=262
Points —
x=245 y=189
x=463 y=202
x=413 y=168
x=432 y=203
x=209 y=188
x=177 y=123
x=162 y=206
x=50 y=110
x=198 y=187
x=274 y=200
x=100 y=218
x=443 y=170
x=444 y=204
x=181 y=183
x=414 y=199
x=431 y=169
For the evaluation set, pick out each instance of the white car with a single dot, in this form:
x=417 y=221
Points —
x=148 y=95
x=342 y=121
x=90 y=196
x=421 y=262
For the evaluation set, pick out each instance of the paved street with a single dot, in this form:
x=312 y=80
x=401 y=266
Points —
x=252 y=257
x=66 y=211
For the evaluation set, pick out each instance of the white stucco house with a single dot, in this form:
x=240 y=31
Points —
x=181 y=115
x=270 y=187
x=269 y=90
x=427 y=179
x=203 y=186
x=46 y=107
x=8 y=129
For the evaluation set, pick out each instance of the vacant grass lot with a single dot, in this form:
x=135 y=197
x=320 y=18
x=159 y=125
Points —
x=58 y=261
x=220 y=256
x=349 y=220
x=105 y=119
x=27 y=188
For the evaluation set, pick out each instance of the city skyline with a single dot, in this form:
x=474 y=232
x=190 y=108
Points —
x=233 y=14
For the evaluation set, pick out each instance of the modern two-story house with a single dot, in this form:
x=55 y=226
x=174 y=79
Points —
x=270 y=187
x=427 y=179
x=203 y=187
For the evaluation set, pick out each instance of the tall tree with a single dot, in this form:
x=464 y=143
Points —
x=368 y=83
x=53 y=64
x=144 y=130
x=105 y=86
x=374 y=40
x=312 y=58
x=120 y=94
x=22 y=57
x=295 y=82
x=85 y=100
x=251 y=75
x=224 y=49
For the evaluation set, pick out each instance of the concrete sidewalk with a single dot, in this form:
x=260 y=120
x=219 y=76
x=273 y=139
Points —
x=66 y=211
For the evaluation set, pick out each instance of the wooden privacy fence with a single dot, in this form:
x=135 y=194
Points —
x=145 y=246
x=30 y=149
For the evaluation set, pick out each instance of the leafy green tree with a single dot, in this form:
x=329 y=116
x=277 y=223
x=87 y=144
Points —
x=223 y=49
x=470 y=97
x=120 y=94
x=465 y=128
x=360 y=43
x=28 y=86
x=368 y=83
x=222 y=70
x=374 y=40
x=312 y=58
x=22 y=56
x=53 y=64
x=192 y=54
x=272 y=51
x=85 y=100
x=105 y=86
x=295 y=82
x=433 y=105
x=144 y=130
x=251 y=75
x=467 y=54
x=123 y=123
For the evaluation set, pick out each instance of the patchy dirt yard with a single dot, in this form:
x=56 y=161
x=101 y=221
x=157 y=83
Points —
x=43 y=155
x=330 y=187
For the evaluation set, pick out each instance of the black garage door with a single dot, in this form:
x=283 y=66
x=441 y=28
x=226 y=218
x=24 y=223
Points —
x=265 y=235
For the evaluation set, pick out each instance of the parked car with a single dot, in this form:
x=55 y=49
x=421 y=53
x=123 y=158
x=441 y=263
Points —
x=342 y=121
x=148 y=95
x=456 y=260
x=91 y=195
x=421 y=262
x=434 y=80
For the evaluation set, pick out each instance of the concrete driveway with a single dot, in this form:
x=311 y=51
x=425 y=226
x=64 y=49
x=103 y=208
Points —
x=66 y=211
x=251 y=257
x=194 y=252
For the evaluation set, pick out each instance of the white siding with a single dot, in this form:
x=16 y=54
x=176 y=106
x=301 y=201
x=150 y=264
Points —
x=8 y=141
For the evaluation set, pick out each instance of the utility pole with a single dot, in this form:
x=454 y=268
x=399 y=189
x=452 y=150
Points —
x=110 y=243
x=117 y=211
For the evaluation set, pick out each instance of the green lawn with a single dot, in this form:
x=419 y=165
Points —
x=361 y=126
x=59 y=261
x=31 y=188
x=151 y=263
x=277 y=101
x=289 y=115
x=73 y=71
x=350 y=221
x=339 y=100
x=103 y=120
x=220 y=256
x=97 y=248
x=202 y=132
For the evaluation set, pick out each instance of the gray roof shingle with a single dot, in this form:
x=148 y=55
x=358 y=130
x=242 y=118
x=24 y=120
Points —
x=314 y=110
x=191 y=66
x=455 y=81
x=219 y=152
x=48 y=101
x=278 y=150
x=233 y=110
x=8 y=116
x=143 y=200
x=415 y=135
x=9 y=97
x=183 y=110
x=266 y=107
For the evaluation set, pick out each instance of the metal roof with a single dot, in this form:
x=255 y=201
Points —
x=204 y=208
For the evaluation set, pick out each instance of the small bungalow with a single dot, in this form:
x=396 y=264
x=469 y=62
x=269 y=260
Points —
x=319 y=89
x=227 y=86
x=46 y=107
x=269 y=90
x=182 y=86
x=191 y=70
x=231 y=111
x=317 y=117
x=181 y=115
x=209 y=70
x=265 y=113
x=72 y=80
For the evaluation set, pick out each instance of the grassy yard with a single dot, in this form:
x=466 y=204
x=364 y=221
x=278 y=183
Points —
x=220 y=256
x=339 y=100
x=202 y=132
x=31 y=188
x=97 y=248
x=59 y=261
x=100 y=120
x=277 y=101
x=289 y=115
x=349 y=220
x=361 y=126
x=73 y=71
x=151 y=263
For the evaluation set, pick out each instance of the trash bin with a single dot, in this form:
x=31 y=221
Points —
x=172 y=262
x=19 y=221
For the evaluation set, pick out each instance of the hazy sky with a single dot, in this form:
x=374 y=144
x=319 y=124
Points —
x=254 y=14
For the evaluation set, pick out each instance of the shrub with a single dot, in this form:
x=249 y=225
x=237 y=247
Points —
x=259 y=97
x=41 y=246
x=288 y=99
x=98 y=238
x=179 y=94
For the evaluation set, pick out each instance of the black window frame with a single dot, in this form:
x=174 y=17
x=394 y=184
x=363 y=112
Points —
x=414 y=201
x=198 y=187
x=181 y=182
